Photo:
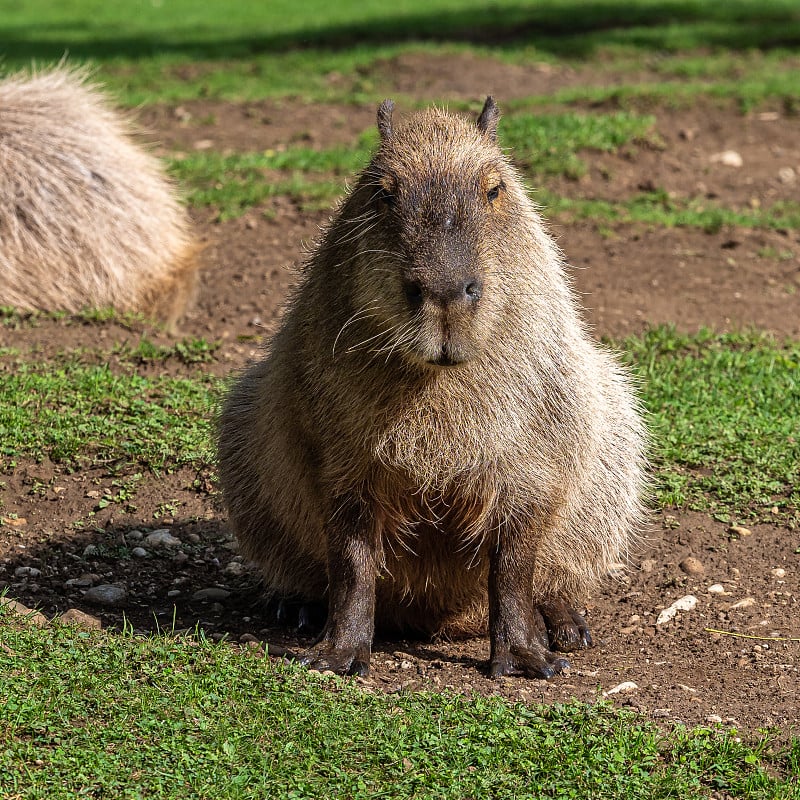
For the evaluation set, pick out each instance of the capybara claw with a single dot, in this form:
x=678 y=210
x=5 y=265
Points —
x=342 y=661
x=529 y=663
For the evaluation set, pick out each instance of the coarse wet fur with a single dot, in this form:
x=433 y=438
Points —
x=432 y=440
x=88 y=219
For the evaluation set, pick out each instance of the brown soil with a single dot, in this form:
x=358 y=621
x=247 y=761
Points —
x=710 y=663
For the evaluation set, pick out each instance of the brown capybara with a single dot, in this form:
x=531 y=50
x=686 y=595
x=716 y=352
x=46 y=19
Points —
x=432 y=440
x=88 y=218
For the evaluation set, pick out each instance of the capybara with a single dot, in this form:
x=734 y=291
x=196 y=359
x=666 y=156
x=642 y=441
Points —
x=432 y=440
x=88 y=218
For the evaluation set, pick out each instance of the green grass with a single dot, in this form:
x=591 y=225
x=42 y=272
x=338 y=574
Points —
x=77 y=412
x=725 y=413
x=176 y=49
x=98 y=715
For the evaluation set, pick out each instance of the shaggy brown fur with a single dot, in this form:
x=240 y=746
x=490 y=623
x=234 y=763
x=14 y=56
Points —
x=432 y=432
x=87 y=217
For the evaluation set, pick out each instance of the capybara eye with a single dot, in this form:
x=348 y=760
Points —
x=494 y=192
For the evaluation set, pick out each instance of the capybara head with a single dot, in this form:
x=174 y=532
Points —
x=431 y=217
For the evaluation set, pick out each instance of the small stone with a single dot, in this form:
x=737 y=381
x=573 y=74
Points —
x=85 y=580
x=139 y=552
x=14 y=522
x=648 y=565
x=787 y=176
x=686 y=603
x=161 y=538
x=107 y=594
x=203 y=144
x=75 y=617
x=730 y=158
x=248 y=637
x=779 y=572
x=692 y=566
x=20 y=610
x=235 y=568
x=625 y=686
x=193 y=538
x=180 y=558
x=745 y=602
x=738 y=530
x=134 y=536
x=212 y=593
x=27 y=572
x=714 y=719
x=173 y=593
x=717 y=588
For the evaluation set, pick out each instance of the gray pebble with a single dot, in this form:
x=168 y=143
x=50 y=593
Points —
x=107 y=594
x=134 y=536
x=139 y=552
x=235 y=568
x=212 y=593
x=27 y=572
x=161 y=537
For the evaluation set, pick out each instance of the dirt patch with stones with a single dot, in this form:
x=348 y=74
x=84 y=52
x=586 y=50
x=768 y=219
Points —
x=731 y=656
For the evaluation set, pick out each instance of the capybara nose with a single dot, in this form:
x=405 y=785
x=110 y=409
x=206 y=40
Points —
x=460 y=292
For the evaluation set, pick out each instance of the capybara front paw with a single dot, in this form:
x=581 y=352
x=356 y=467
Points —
x=567 y=630
x=532 y=662
x=341 y=660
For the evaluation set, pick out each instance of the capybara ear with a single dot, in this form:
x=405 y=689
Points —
x=490 y=116
x=385 y=118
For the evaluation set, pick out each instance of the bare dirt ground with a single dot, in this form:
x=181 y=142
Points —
x=733 y=659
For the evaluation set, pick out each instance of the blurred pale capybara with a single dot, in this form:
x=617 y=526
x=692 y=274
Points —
x=88 y=218
x=432 y=441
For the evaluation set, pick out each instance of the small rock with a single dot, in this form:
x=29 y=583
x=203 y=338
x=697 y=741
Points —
x=14 y=522
x=180 y=558
x=248 y=637
x=717 y=588
x=75 y=617
x=648 y=565
x=714 y=719
x=779 y=572
x=730 y=158
x=161 y=537
x=193 y=538
x=745 y=602
x=139 y=552
x=20 y=610
x=686 y=603
x=27 y=572
x=235 y=568
x=692 y=566
x=107 y=594
x=625 y=686
x=173 y=593
x=212 y=593
x=87 y=579
x=203 y=144
x=134 y=536
x=787 y=176
x=738 y=530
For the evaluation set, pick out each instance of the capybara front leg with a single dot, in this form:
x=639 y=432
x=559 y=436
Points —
x=346 y=641
x=515 y=627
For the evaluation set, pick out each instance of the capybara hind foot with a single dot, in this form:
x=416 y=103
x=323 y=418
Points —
x=341 y=660
x=534 y=661
x=567 y=630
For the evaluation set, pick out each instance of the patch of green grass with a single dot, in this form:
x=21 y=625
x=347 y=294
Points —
x=76 y=412
x=95 y=714
x=725 y=414
x=658 y=208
